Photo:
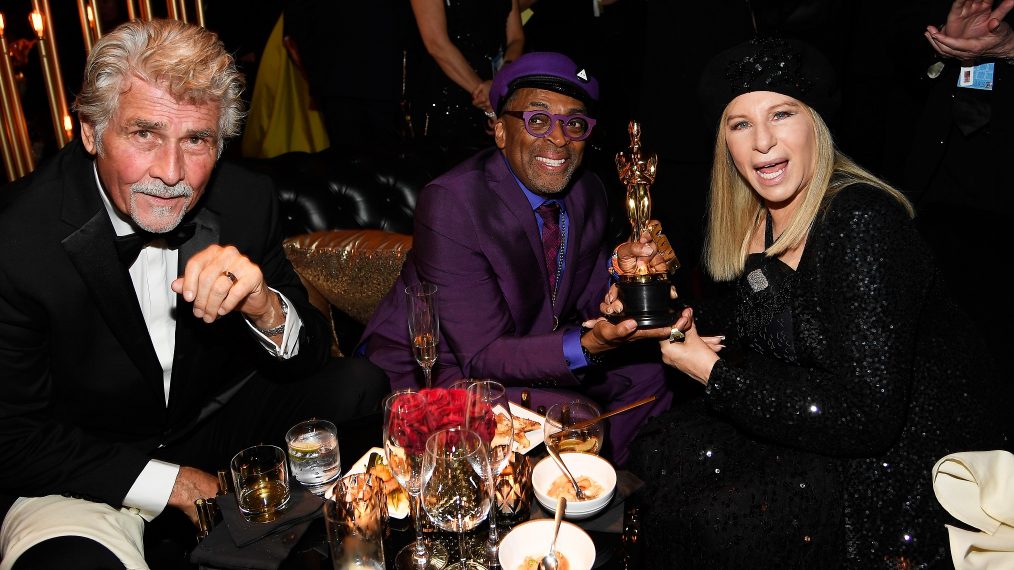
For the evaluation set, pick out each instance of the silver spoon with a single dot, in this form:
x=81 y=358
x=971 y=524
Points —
x=550 y=561
x=563 y=467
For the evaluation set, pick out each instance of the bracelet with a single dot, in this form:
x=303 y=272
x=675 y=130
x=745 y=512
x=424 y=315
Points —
x=274 y=331
x=614 y=266
x=593 y=359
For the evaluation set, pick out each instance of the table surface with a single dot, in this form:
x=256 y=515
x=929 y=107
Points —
x=614 y=551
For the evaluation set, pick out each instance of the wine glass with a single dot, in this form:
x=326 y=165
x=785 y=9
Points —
x=456 y=490
x=558 y=433
x=488 y=414
x=424 y=326
x=405 y=449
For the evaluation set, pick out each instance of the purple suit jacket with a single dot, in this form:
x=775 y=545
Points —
x=477 y=239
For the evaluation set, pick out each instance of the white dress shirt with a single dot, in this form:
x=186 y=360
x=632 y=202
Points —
x=152 y=273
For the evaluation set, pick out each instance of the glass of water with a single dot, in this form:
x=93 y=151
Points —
x=313 y=454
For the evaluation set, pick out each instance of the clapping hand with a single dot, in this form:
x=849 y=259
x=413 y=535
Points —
x=974 y=30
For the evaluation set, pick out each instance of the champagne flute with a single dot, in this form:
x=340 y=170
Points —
x=456 y=488
x=488 y=414
x=424 y=326
x=403 y=411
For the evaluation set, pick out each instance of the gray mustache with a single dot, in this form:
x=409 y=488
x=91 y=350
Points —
x=161 y=190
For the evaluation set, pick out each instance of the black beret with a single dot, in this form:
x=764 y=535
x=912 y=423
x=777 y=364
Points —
x=785 y=66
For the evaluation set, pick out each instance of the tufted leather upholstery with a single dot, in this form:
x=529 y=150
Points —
x=347 y=219
x=332 y=189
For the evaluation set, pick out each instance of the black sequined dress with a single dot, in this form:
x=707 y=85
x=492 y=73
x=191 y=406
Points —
x=842 y=384
x=442 y=110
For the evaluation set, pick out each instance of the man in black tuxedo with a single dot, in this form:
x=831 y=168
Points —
x=129 y=371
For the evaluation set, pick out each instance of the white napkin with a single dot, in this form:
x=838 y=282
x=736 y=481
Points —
x=977 y=488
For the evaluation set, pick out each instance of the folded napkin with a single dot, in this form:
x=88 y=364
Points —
x=239 y=543
x=977 y=488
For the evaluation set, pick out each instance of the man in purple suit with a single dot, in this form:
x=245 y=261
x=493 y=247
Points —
x=514 y=240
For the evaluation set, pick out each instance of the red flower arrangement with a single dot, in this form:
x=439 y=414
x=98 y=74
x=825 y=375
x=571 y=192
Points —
x=417 y=415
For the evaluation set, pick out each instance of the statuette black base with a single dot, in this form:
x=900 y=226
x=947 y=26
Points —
x=646 y=299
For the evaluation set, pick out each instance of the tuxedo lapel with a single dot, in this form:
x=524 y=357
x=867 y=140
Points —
x=93 y=254
x=183 y=388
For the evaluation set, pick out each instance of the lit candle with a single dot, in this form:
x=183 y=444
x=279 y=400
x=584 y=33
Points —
x=86 y=27
x=68 y=127
x=17 y=147
x=95 y=19
x=43 y=25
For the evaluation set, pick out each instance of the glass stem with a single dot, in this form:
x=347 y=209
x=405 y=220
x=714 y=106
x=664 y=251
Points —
x=420 y=557
x=428 y=375
x=461 y=543
x=494 y=539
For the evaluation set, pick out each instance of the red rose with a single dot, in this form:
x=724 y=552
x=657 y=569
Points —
x=421 y=414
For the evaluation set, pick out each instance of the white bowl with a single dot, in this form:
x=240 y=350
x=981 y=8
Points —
x=592 y=466
x=532 y=539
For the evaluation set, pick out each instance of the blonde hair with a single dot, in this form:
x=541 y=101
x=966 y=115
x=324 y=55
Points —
x=735 y=209
x=187 y=60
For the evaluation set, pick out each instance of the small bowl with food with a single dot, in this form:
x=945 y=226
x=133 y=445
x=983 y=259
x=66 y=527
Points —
x=526 y=544
x=595 y=476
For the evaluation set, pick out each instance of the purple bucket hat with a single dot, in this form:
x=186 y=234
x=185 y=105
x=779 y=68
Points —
x=544 y=70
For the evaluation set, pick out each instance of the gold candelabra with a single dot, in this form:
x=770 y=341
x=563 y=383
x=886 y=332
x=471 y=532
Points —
x=14 y=142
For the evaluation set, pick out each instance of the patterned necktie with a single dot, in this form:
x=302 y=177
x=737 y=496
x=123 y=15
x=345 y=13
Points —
x=550 y=213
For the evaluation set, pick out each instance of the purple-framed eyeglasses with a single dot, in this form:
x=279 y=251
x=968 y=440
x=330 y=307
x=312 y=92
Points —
x=539 y=123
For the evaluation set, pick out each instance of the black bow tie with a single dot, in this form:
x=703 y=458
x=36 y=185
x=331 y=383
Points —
x=129 y=246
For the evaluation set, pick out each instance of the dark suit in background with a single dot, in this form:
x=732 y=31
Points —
x=352 y=53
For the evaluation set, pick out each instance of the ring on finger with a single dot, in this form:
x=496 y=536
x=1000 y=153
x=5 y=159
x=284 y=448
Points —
x=676 y=335
x=232 y=276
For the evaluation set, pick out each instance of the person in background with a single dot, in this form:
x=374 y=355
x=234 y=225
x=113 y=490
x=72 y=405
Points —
x=514 y=239
x=955 y=171
x=974 y=31
x=150 y=324
x=357 y=89
x=467 y=43
x=837 y=372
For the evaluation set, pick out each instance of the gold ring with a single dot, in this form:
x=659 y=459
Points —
x=676 y=335
x=232 y=276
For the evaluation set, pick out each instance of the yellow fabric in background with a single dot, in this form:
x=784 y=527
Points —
x=280 y=118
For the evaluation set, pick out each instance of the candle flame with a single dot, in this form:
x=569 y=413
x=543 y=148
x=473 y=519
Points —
x=91 y=18
x=1 y=24
x=36 y=18
x=68 y=125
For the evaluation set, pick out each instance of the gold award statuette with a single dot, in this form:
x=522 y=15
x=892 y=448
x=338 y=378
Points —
x=645 y=296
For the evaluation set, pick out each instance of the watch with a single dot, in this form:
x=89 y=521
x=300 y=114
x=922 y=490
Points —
x=593 y=359
x=273 y=331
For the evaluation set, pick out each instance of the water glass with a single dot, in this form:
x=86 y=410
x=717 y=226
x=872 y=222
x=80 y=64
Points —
x=560 y=417
x=355 y=522
x=261 y=479
x=313 y=454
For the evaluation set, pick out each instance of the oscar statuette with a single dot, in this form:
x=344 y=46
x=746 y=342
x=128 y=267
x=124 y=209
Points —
x=645 y=295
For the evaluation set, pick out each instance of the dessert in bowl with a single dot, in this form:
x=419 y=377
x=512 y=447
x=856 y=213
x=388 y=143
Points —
x=595 y=476
x=529 y=542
